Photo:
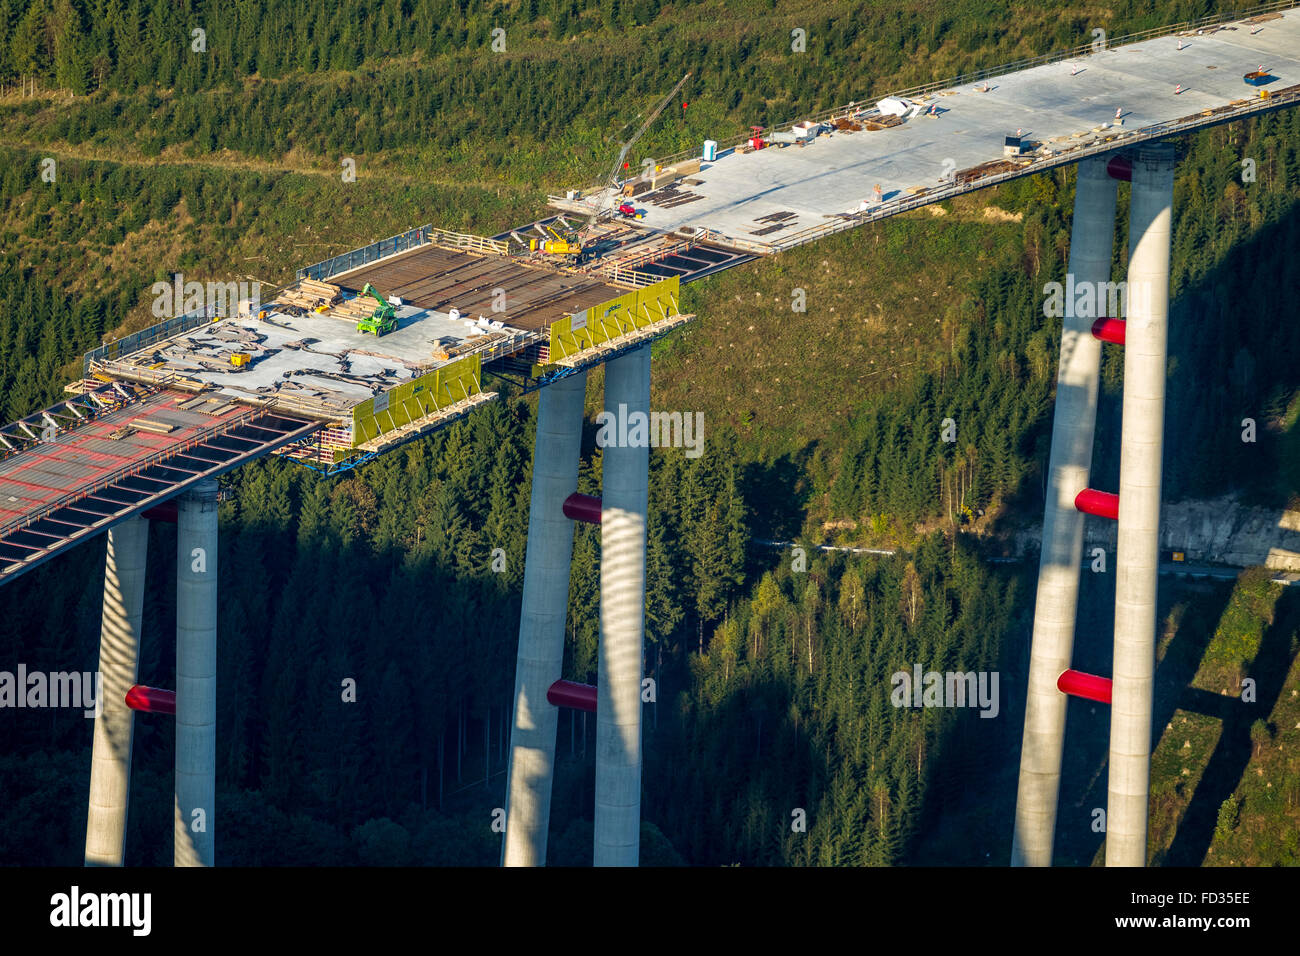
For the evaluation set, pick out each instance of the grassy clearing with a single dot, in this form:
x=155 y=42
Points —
x=1225 y=774
x=882 y=303
x=1177 y=766
x=1238 y=635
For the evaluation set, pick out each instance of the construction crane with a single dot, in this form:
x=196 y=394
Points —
x=567 y=245
x=608 y=199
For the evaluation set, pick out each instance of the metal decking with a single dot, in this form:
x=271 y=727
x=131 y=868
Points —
x=441 y=279
x=698 y=261
x=56 y=493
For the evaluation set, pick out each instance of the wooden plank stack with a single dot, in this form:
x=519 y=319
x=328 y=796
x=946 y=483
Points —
x=353 y=310
x=443 y=352
x=985 y=169
x=310 y=294
x=884 y=121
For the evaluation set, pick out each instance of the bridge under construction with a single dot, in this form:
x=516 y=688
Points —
x=380 y=345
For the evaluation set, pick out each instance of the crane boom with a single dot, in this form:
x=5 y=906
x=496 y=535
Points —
x=608 y=203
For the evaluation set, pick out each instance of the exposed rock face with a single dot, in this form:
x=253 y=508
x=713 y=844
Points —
x=1217 y=530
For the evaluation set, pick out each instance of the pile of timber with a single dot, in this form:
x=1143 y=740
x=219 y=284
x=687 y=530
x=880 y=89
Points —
x=354 y=310
x=149 y=425
x=884 y=121
x=443 y=353
x=309 y=294
x=205 y=404
x=985 y=169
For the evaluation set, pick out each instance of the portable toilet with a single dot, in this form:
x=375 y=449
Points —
x=710 y=151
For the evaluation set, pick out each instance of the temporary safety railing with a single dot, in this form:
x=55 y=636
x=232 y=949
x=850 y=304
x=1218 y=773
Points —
x=467 y=242
x=617 y=268
x=365 y=255
x=320 y=409
x=136 y=341
x=622 y=276
x=497 y=348
x=130 y=344
x=145 y=376
x=402 y=242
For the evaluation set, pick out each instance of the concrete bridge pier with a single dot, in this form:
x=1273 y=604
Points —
x=1138 y=542
x=622 y=518
x=1092 y=239
x=625 y=493
x=196 y=675
x=119 y=659
x=556 y=450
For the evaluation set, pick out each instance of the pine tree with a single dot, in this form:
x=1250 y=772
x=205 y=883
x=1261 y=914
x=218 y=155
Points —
x=664 y=610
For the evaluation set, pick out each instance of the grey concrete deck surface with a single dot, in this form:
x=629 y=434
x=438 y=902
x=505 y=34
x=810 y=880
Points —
x=338 y=349
x=836 y=172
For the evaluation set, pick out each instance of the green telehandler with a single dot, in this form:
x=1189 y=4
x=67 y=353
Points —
x=384 y=318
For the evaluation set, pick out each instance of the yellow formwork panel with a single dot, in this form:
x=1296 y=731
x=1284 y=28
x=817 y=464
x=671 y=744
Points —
x=600 y=323
x=417 y=398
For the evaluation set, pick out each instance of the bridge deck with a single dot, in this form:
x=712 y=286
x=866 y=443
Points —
x=781 y=196
x=56 y=493
x=510 y=292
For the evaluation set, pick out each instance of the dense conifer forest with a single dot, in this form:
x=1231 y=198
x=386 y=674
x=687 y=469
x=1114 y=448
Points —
x=772 y=670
